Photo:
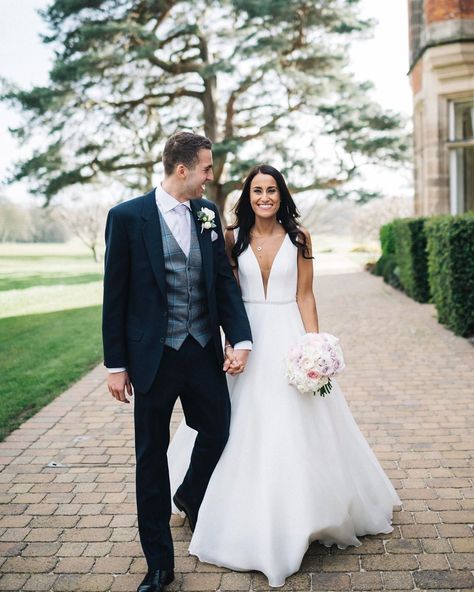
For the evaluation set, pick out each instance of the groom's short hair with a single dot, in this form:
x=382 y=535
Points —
x=183 y=148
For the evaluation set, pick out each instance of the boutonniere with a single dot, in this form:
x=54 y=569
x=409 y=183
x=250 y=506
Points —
x=206 y=217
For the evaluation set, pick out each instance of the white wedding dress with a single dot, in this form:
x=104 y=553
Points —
x=296 y=467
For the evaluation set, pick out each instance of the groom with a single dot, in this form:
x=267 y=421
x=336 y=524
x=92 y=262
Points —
x=168 y=287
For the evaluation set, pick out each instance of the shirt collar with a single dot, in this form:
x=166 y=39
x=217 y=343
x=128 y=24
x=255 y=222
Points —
x=167 y=202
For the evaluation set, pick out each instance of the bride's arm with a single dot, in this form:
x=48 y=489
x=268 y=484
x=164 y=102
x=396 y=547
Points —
x=304 y=292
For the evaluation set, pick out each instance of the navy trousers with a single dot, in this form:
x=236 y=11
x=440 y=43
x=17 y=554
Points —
x=194 y=374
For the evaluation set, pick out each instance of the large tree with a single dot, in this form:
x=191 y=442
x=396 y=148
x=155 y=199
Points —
x=266 y=80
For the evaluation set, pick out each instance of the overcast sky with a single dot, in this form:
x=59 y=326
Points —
x=25 y=61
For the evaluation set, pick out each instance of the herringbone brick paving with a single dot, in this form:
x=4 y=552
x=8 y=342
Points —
x=67 y=481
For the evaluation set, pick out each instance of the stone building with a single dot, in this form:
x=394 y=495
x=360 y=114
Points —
x=442 y=80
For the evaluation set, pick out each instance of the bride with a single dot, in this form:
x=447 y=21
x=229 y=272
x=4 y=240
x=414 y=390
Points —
x=296 y=467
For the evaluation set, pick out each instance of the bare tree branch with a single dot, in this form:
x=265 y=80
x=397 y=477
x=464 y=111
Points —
x=269 y=126
x=329 y=183
x=230 y=107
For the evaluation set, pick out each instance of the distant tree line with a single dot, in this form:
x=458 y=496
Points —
x=86 y=221
x=20 y=224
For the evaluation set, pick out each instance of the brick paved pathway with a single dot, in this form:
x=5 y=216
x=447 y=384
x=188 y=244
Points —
x=67 y=484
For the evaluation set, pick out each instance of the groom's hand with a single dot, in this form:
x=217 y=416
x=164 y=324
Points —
x=231 y=365
x=229 y=355
x=118 y=384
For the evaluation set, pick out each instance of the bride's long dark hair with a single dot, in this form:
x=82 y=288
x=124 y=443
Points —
x=287 y=214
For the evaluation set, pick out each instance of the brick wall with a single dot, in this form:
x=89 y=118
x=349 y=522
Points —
x=443 y=10
x=433 y=22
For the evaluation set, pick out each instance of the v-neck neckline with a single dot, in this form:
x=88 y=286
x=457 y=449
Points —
x=265 y=291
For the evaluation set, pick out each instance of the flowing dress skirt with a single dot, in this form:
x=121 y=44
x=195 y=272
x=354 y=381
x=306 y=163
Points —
x=296 y=467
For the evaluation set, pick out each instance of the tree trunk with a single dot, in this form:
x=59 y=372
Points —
x=95 y=254
x=215 y=193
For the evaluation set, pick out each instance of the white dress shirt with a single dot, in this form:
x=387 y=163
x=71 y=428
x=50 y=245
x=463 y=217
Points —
x=178 y=223
x=181 y=229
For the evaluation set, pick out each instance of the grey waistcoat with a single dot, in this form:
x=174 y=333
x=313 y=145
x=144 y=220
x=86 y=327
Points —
x=185 y=290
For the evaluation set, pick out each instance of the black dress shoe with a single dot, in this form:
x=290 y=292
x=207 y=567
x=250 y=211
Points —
x=183 y=507
x=155 y=581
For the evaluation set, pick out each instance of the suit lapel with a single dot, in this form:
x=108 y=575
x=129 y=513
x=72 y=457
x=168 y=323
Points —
x=205 y=244
x=153 y=240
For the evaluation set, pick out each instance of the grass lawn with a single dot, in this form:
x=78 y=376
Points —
x=49 y=325
x=41 y=355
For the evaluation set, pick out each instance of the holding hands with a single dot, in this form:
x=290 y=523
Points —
x=235 y=360
x=120 y=387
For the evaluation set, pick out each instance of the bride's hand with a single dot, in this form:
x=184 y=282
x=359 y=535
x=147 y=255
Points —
x=240 y=357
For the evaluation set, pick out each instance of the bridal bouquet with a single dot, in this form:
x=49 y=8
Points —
x=312 y=363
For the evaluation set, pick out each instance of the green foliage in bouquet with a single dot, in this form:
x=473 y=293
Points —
x=410 y=254
x=325 y=390
x=451 y=270
x=386 y=266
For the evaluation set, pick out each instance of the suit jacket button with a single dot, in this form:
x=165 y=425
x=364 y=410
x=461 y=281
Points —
x=162 y=339
x=165 y=314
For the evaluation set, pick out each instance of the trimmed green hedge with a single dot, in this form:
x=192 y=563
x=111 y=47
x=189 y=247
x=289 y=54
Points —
x=433 y=256
x=451 y=270
x=403 y=263
x=386 y=266
x=411 y=257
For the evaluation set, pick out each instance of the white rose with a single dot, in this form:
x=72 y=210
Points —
x=207 y=225
x=210 y=214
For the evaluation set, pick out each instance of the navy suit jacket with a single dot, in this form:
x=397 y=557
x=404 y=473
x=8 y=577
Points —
x=135 y=310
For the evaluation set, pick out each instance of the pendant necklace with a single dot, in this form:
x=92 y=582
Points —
x=259 y=247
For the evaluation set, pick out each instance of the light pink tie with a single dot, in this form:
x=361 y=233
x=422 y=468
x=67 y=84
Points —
x=182 y=228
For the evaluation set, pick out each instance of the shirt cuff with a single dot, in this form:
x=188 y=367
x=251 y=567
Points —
x=243 y=345
x=114 y=370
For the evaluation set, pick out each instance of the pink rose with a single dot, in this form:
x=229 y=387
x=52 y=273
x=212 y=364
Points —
x=312 y=374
